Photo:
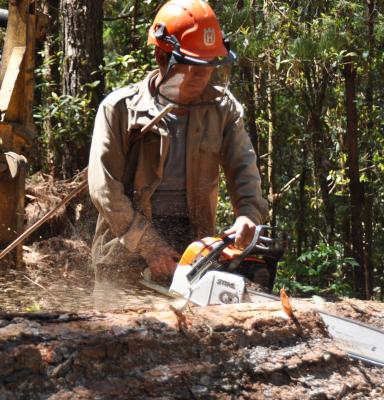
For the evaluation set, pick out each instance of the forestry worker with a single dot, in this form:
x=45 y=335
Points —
x=156 y=191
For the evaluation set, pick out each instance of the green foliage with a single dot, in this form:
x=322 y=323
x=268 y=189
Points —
x=298 y=52
x=65 y=122
x=320 y=271
x=305 y=48
x=122 y=70
x=72 y=118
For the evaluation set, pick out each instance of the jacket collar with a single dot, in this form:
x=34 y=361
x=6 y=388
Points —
x=144 y=101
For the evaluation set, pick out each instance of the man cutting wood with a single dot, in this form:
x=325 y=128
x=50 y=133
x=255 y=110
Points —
x=156 y=190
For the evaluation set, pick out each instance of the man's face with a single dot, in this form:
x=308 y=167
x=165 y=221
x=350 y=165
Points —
x=196 y=79
x=185 y=84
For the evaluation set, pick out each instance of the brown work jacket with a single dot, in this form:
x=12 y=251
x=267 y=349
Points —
x=125 y=169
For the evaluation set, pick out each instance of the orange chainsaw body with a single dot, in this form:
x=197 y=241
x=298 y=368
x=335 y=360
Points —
x=202 y=247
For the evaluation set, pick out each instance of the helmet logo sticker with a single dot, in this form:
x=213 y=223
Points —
x=209 y=36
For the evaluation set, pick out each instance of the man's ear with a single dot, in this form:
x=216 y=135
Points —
x=162 y=58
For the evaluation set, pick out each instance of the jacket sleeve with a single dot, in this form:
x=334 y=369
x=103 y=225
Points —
x=238 y=160
x=106 y=176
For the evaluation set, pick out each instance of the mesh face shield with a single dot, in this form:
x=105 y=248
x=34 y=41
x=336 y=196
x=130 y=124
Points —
x=193 y=85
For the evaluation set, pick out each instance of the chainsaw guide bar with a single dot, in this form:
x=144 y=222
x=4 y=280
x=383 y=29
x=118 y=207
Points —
x=360 y=341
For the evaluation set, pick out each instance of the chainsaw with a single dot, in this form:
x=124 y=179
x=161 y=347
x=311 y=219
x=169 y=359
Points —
x=214 y=271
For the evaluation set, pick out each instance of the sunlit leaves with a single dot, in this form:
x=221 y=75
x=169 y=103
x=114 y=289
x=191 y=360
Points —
x=321 y=270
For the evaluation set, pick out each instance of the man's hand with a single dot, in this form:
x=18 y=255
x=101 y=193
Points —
x=162 y=260
x=160 y=257
x=244 y=230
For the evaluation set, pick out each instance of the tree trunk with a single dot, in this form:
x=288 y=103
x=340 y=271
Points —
x=271 y=146
x=134 y=22
x=248 y=77
x=51 y=50
x=356 y=198
x=322 y=168
x=271 y=121
x=302 y=211
x=259 y=84
x=313 y=97
x=237 y=351
x=83 y=46
x=345 y=218
x=368 y=192
x=83 y=56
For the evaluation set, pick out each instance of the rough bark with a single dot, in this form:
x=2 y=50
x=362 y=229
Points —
x=51 y=50
x=83 y=56
x=83 y=45
x=226 y=352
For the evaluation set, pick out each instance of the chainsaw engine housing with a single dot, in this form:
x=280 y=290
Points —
x=215 y=287
x=213 y=271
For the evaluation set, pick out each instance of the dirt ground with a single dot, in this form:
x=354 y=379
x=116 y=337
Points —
x=57 y=275
x=61 y=339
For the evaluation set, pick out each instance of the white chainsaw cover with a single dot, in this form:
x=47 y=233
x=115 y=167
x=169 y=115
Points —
x=215 y=287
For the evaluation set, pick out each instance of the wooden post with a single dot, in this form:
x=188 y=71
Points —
x=16 y=123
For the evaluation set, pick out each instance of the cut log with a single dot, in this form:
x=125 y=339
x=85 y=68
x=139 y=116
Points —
x=226 y=352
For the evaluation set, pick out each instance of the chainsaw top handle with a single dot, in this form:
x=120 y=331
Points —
x=236 y=262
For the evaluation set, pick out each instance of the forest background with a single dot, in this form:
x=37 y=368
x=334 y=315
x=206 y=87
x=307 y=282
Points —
x=309 y=74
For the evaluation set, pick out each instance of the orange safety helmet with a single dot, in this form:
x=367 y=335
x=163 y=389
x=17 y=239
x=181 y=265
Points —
x=195 y=26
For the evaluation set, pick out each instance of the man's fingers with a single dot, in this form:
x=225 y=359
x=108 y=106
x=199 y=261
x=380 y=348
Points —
x=244 y=235
x=230 y=230
x=244 y=230
x=241 y=233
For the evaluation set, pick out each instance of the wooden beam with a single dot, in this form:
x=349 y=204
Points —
x=10 y=78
